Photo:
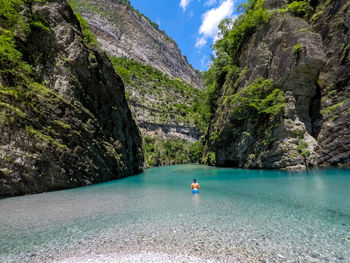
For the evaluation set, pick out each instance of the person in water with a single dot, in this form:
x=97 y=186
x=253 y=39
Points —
x=195 y=187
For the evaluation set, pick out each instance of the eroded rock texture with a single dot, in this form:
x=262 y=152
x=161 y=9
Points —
x=162 y=87
x=123 y=32
x=70 y=125
x=333 y=24
x=308 y=59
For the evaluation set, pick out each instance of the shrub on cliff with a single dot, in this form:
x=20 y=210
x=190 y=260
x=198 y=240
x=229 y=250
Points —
x=257 y=100
x=89 y=37
x=234 y=34
x=299 y=8
x=228 y=48
x=13 y=27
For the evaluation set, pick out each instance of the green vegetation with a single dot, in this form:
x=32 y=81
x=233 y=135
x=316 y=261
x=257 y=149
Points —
x=332 y=93
x=174 y=100
x=41 y=26
x=259 y=98
x=242 y=28
x=304 y=29
x=168 y=101
x=12 y=109
x=302 y=146
x=10 y=20
x=44 y=137
x=63 y=125
x=332 y=109
x=305 y=153
x=89 y=37
x=159 y=151
x=214 y=136
x=299 y=8
x=345 y=53
x=234 y=35
x=297 y=49
x=14 y=27
x=10 y=57
x=231 y=95
x=21 y=95
x=315 y=16
x=212 y=158
x=246 y=134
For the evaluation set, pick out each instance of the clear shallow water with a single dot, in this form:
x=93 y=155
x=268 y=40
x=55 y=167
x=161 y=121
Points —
x=239 y=216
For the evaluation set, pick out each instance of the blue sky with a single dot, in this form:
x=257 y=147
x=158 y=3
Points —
x=191 y=23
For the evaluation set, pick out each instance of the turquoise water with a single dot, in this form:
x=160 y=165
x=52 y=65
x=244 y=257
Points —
x=239 y=216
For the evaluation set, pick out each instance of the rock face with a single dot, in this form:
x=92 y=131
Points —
x=332 y=21
x=162 y=88
x=308 y=59
x=165 y=112
x=124 y=32
x=66 y=124
x=161 y=106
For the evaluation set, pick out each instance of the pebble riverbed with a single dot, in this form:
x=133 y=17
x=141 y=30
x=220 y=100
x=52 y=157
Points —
x=240 y=216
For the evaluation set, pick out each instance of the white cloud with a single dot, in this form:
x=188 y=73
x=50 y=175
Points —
x=204 y=62
x=210 y=21
x=200 y=42
x=210 y=2
x=213 y=17
x=184 y=4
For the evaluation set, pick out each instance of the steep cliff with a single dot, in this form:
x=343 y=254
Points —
x=163 y=90
x=332 y=20
x=166 y=111
x=124 y=32
x=161 y=106
x=64 y=119
x=283 y=87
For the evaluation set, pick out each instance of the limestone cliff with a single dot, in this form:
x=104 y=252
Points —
x=300 y=54
x=163 y=90
x=163 y=107
x=332 y=21
x=124 y=32
x=64 y=119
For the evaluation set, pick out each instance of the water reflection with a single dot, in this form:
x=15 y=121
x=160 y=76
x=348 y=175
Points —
x=321 y=191
x=196 y=199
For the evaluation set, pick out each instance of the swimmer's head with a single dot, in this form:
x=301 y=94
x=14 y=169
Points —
x=195 y=180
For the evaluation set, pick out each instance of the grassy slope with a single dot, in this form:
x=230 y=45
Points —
x=170 y=101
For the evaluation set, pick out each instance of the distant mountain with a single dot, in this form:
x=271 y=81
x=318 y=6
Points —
x=124 y=32
x=163 y=90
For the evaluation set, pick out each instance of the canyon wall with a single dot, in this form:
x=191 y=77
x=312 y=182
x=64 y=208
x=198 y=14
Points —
x=285 y=102
x=65 y=121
